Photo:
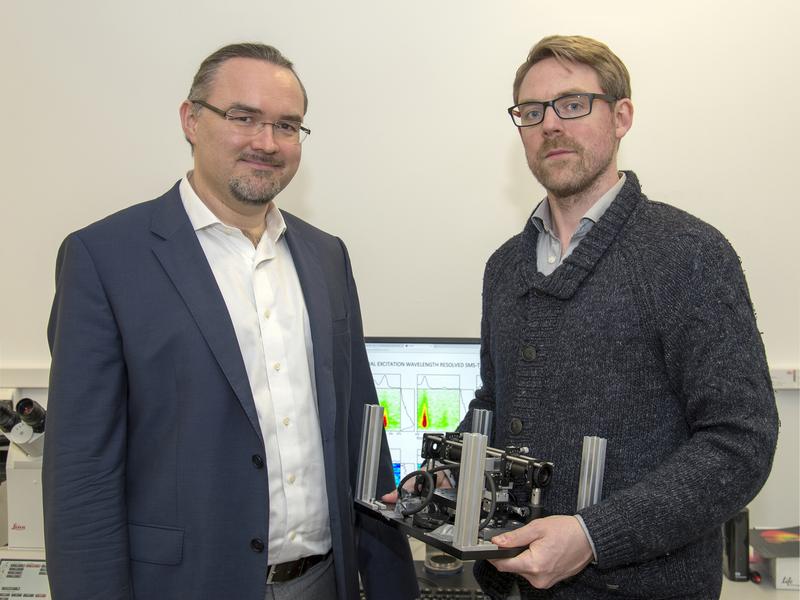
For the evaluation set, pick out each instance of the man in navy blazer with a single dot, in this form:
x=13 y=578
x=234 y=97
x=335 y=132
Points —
x=209 y=376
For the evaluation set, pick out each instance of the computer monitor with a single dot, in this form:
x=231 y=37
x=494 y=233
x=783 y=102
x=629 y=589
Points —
x=424 y=385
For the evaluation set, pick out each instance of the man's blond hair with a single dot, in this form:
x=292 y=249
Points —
x=614 y=77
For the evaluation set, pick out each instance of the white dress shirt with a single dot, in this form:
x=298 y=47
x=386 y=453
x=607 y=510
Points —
x=265 y=302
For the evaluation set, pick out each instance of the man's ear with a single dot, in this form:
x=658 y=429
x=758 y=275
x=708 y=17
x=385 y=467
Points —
x=188 y=121
x=623 y=116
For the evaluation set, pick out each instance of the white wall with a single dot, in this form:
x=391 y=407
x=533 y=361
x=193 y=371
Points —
x=777 y=503
x=413 y=160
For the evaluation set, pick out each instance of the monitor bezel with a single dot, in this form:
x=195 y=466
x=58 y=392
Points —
x=420 y=340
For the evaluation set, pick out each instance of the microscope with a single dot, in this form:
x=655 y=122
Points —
x=24 y=426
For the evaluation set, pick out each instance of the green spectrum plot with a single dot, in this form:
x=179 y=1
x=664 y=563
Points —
x=438 y=409
x=390 y=399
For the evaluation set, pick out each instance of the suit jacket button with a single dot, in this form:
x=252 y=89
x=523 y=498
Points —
x=256 y=545
x=258 y=462
x=528 y=353
x=515 y=426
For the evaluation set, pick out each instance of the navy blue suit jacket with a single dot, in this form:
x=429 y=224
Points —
x=154 y=484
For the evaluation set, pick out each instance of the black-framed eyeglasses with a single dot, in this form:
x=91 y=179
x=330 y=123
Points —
x=571 y=106
x=248 y=123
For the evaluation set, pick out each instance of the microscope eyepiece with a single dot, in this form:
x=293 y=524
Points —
x=32 y=413
x=8 y=419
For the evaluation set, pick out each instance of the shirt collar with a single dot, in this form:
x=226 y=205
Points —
x=598 y=208
x=541 y=217
x=201 y=216
x=543 y=220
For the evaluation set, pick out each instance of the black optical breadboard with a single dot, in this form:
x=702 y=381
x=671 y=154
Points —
x=406 y=526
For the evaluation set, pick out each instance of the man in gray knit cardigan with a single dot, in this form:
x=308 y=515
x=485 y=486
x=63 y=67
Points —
x=616 y=316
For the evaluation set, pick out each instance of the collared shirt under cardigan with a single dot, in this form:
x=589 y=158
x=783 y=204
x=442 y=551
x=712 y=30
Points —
x=549 y=256
x=646 y=336
x=548 y=246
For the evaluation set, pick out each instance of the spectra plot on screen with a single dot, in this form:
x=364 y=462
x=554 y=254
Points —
x=424 y=385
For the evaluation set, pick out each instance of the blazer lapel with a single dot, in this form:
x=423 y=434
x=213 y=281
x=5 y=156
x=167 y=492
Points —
x=316 y=296
x=180 y=254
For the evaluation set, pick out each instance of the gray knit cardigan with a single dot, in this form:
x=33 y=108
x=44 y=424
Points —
x=646 y=336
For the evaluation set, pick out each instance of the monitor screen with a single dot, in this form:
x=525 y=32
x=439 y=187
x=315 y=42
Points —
x=423 y=384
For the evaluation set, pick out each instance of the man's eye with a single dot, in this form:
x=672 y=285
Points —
x=240 y=119
x=531 y=115
x=287 y=127
x=573 y=105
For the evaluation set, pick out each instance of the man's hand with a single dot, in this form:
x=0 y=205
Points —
x=557 y=549
x=441 y=482
x=390 y=498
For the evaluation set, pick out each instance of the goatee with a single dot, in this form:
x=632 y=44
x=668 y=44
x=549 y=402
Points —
x=257 y=187
x=250 y=190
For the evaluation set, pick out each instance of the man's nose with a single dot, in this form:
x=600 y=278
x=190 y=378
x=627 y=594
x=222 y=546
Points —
x=551 y=121
x=265 y=139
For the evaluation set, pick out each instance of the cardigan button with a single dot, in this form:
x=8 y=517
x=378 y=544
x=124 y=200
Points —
x=515 y=426
x=256 y=545
x=258 y=462
x=528 y=353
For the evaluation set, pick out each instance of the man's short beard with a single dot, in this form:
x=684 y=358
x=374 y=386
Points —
x=248 y=191
x=582 y=178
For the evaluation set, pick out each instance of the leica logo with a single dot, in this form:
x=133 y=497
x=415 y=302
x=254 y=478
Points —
x=17 y=527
